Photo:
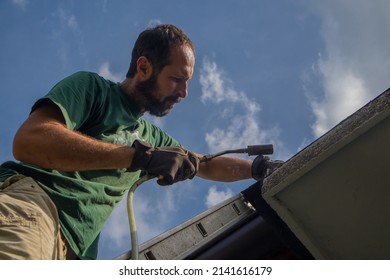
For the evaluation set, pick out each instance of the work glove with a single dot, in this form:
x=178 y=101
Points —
x=263 y=166
x=169 y=164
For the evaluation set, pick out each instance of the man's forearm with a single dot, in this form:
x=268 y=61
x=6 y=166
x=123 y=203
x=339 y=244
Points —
x=226 y=169
x=47 y=142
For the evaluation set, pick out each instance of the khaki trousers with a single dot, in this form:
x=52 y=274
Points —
x=29 y=223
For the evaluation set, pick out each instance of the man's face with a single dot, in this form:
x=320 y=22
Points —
x=166 y=88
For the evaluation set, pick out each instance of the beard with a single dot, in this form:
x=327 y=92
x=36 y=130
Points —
x=146 y=99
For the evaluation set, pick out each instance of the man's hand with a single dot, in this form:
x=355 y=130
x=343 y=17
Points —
x=172 y=163
x=263 y=166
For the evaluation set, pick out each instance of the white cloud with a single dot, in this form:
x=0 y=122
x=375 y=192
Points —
x=305 y=142
x=217 y=88
x=116 y=230
x=344 y=94
x=67 y=18
x=153 y=23
x=104 y=71
x=355 y=65
x=157 y=121
x=104 y=6
x=66 y=34
x=21 y=3
x=152 y=213
x=236 y=108
x=150 y=217
x=72 y=22
x=215 y=196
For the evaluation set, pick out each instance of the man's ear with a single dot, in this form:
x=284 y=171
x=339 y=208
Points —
x=144 y=68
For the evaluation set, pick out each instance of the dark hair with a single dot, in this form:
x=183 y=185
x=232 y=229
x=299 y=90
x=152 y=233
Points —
x=156 y=44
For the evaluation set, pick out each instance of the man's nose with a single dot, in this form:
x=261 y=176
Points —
x=183 y=90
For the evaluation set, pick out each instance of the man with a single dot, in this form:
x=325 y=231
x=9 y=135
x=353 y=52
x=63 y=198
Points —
x=86 y=142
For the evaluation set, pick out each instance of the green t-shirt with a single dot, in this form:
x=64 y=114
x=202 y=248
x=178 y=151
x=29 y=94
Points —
x=101 y=109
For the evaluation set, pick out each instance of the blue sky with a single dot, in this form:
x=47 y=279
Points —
x=281 y=72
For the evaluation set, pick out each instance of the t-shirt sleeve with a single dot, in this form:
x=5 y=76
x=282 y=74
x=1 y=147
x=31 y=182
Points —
x=75 y=96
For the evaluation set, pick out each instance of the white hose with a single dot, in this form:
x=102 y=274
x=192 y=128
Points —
x=131 y=216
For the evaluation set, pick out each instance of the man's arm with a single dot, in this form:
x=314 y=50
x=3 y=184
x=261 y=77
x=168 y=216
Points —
x=44 y=140
x=225 y=169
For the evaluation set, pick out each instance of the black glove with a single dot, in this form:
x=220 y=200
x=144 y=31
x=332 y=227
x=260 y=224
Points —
x=172 y=163
x=263 y=166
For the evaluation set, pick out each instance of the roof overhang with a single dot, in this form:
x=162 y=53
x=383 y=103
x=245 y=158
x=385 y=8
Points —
x=335 y=194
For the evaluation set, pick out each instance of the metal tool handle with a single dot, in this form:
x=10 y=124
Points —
x=260 y=150
x=251 y=150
